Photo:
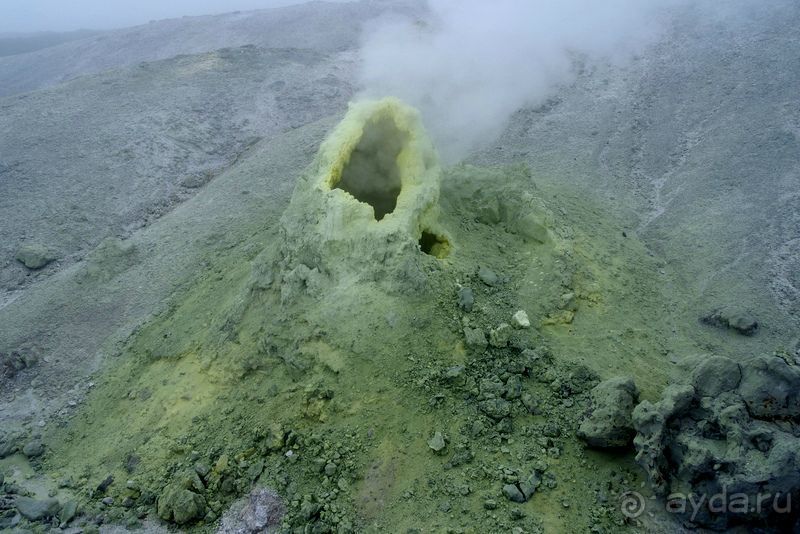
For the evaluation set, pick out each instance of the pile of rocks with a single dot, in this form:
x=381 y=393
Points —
x=726 y=441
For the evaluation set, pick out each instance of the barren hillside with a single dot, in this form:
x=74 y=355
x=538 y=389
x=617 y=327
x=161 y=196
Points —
x=233 y=300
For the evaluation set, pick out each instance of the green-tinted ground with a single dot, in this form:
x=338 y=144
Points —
x=699 y=160
x=362 y=380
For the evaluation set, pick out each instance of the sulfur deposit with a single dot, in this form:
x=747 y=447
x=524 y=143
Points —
x=367 y=209
x=383 y=361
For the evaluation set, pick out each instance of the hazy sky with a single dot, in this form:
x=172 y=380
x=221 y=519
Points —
x=59 y=15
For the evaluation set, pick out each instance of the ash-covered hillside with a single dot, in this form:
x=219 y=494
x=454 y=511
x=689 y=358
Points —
x=320 y=26
x=106 y=154
x=228 y=304
x=697 y=142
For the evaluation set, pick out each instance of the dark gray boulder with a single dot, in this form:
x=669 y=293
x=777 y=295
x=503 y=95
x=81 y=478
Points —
x=608 y=422
x=716 y=375
x=513 y=493
x=35 y=509
x=33 y=449
x=466 y=299
x=488 y=276
x=497 y=409
x=737 y=320
x=770 y=388
x=730 y=438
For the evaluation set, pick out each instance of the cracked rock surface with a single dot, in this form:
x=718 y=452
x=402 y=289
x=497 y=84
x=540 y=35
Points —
x=731 y=433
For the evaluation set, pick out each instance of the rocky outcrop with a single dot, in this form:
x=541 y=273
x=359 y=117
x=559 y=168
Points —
x=179 y=502
x=737 y=320
x=729 y=439
x=34 y=255
x=35 y=509
x=608 y=423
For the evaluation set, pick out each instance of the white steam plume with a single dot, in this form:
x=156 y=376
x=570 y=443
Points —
x=473 y=63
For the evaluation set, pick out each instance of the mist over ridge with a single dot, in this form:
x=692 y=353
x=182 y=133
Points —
x=472 y=63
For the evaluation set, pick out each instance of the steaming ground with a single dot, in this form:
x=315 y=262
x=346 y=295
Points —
x=697 y=143
x=691 y=151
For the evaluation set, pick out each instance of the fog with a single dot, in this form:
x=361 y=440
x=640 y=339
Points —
x=468 y=66
x=477 y=62
x=25 y=16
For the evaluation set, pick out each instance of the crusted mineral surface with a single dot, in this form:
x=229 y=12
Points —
x=367 y=209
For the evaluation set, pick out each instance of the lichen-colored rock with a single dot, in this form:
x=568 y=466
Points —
x=34 y=255
x=520 y=319
x=500 y=336
x=259 y=512
x=180 y=505
x=475 y=338
x=531 y=227
x=437 y=443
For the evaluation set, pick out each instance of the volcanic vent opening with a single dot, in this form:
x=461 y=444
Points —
x=372 y=175
x=434 y=245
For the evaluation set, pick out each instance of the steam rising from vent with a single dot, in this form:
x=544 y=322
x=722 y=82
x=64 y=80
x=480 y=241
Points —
x=474 y=63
